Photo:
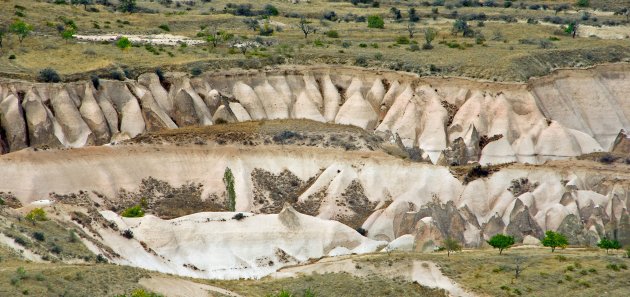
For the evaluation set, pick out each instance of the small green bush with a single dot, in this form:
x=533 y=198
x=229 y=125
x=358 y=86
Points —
x=165 y=27
x=123 y=43
x=133 y=212
x=37 y=214
x=376 y=22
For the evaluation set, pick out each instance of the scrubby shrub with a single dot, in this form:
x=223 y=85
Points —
x=117 y=75
x=375 y=21
x=402 y=40
x=165 y=27
x=266 y=29
x=37 y=214
x=330 y=15
x=96 y=82
x=269 y=9
x=451 y=245
x=39 y=236
x=475 y=172
x=22 y=241
x=332 y=34
x=49 y=75
x=583 y=3
x=56 y=249
x=196 y=71
x=607 y=159
x=613 y=267
x=361 y=61
x=239 y=216
x=133 y=212
x=101 y=259
x=362 y=231
x=73 y=237
x=127 y=234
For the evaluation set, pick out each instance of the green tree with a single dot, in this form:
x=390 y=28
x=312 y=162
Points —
x=429 y=36
x=376 y=22
x=451 y=245
x=554 y=240
x=217 y=37
x=608 y=244
x=36 y=215
x=501 y=242
x=305 y=27
x=21 y=29
x=129 y=6
x=123 y=43
x=228 y=180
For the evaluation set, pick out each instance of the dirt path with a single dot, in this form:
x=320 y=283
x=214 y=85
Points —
x=171 y=287
x=425 y=273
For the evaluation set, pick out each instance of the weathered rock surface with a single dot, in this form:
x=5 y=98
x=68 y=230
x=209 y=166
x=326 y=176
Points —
x=545 y=119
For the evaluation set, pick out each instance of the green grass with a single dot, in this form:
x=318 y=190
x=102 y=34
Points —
x=577 y=272
x=49 y=239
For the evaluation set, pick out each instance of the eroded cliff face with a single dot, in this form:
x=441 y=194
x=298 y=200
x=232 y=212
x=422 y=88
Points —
x=564 y=115
x=388 y=197
x=286 y=172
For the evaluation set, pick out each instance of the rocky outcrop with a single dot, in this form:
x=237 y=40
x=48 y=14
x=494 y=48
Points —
x=536 y=122
x=621 y=145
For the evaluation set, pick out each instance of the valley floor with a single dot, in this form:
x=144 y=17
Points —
x=480 y=272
